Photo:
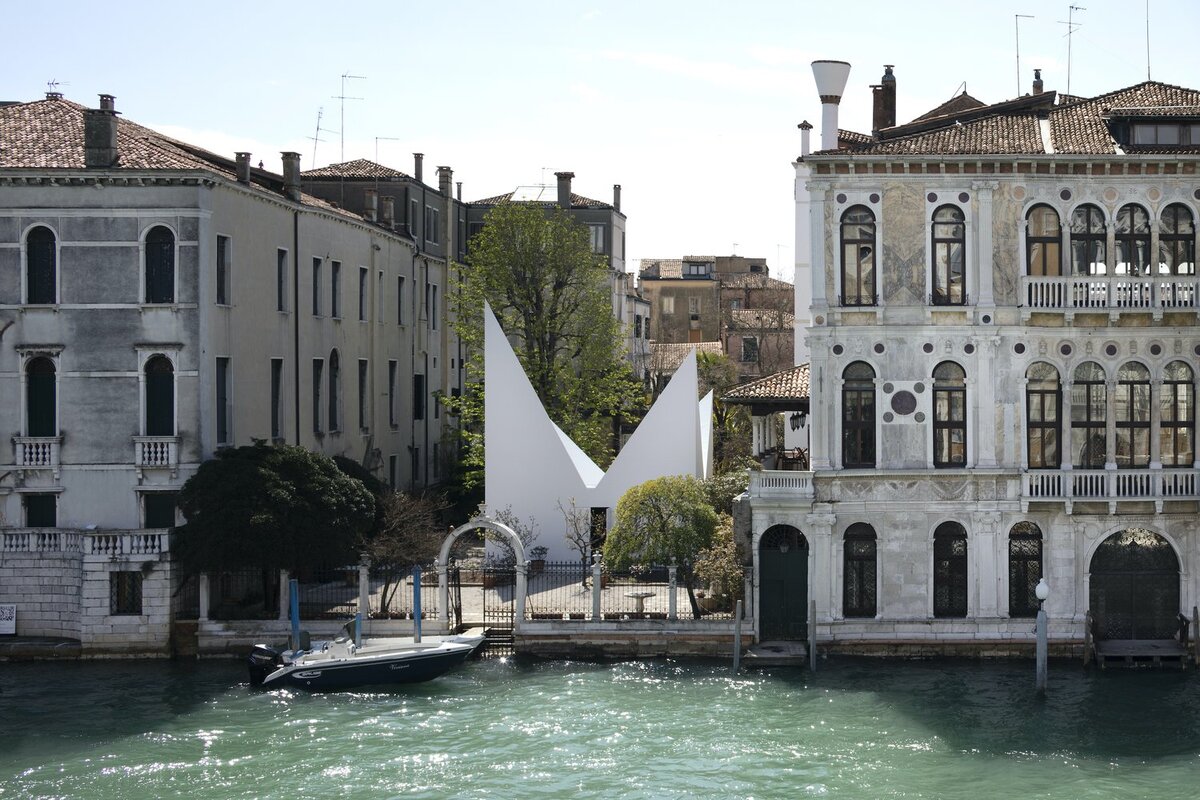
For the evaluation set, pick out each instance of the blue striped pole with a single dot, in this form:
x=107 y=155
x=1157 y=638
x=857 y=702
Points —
x=417 y=603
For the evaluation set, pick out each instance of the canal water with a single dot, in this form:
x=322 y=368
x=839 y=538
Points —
x=659 y=729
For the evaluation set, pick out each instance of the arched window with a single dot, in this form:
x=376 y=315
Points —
x=858 y=415
x=950 y=570
x=859 y=570
x=335 y=386
x=160 y=265
x=1089 y=406
x=1043 y=404
x=949 y=256
x=41 y=267
x=160 y=397
x=1132 y=410
x=1133 y=240
x=949 y=415
x=1088 y=241
x=1024 y=569
x=1177 y=427
x=1043 y=242
x=858 y=257
x=1177 y=241
x=41 y=403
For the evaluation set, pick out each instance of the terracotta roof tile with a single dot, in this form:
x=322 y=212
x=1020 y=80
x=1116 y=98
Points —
x=1081 y=127
x=667 y=356
x=751 y=280
x=761 y=319
x=577 y=201
x=789 y=384
x=955 y=105
x=358 y=169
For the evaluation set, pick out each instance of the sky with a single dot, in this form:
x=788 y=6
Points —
x=691 y=106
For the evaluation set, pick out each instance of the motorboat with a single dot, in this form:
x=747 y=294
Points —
x=343 y=664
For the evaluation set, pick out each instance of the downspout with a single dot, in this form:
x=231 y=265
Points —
x=296 y=316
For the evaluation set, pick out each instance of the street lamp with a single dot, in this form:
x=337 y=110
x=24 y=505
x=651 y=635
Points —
x=1041 y=591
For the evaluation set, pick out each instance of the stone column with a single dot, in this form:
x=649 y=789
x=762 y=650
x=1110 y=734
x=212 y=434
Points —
x=983 y=546
x=1156 y=386
x=817 y=195
x=672 y=611
x=819 y=529
x=519 y=596
x=822 y=411
x=364 y=590
x=596 y=591
x=285 y=598
x=443 y=593
x=203 y=615
x=985 y=401
x=986 y=301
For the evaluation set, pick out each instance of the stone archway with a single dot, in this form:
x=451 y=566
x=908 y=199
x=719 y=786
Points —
x=511 y=538
x=1134 y=586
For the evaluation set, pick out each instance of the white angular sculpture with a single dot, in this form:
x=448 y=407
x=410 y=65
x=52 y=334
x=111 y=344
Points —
x=531 y=466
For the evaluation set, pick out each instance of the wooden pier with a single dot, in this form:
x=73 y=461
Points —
x=1144 y=652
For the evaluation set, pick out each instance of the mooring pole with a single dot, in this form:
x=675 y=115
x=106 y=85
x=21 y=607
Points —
x=294 y=603
x=812 y=635
x=1041 y=650
x=737 y=636
x=417 y=603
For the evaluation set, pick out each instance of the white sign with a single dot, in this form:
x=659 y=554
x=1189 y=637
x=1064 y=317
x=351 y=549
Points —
x=8 y=619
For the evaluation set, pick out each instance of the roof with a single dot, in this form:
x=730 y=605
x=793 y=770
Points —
x=786 y=385
x=751 y=280
x=49 y=134
x=539 y=195
x=955 y=105
x=761 y=319
x=1077 y=126
x=358 y=169
x=667 y=356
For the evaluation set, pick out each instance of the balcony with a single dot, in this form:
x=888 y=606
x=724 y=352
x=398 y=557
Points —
x=781 y=484
x=1112 y=486
x=36 y=452
x=156 y=452
x=1111 y=294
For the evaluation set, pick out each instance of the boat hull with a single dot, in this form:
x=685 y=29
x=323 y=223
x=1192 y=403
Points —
x=349 y=673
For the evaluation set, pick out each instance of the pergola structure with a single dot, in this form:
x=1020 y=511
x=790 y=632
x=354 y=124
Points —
x=782 y=393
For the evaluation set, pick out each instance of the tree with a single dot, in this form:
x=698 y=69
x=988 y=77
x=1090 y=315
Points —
x=720 y=565
x=273 y=507
x=578 y=533
x=410 y=534
x=662 y=521
x=731 y=423
x=551 y=296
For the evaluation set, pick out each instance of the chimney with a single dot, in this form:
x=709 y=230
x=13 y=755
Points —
x=616 y=197
x=243 y=166
x=419 y=167
x=100 y=134
x=564 y=188
x=831 y=82
x=805 y=148
x=371 y=204
x=1037 y=81
x=291 y=175
x=54 y=95
x=445 y=181
x=883 y=110
x=388 y=213
x=458 y=193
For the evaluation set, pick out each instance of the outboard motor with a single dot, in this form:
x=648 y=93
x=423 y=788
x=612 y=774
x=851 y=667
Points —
x=263 y=660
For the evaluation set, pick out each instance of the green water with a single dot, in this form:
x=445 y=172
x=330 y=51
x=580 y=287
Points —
x=657 y=729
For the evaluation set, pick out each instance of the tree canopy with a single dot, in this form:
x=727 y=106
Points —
x=271 y=506
x=551 y=296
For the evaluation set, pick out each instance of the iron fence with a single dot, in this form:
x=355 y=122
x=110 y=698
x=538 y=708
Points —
x=564 y=591
x=244 y=594
x=391 y=592
x=328 y=592
x=559 y=590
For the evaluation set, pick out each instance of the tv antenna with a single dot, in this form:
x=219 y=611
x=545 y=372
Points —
x=1147 y=39
x=52 y=84
x=1072 y=26
x=316 y=137
x=343 y=97
x=1017 y=25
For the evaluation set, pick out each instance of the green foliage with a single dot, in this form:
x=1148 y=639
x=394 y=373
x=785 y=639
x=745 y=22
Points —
x=550 y=294
x=720 y=565
x=723 y=488
x=662 y=521
x=378 y=489
x=275 y=507
x=731 y=423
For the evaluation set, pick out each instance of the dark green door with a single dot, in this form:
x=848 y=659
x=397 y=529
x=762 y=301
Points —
x=783 y=588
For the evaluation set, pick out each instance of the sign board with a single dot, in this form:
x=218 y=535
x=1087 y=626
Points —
x=8 y=619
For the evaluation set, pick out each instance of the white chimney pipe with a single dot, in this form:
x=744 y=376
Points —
x=831 y=82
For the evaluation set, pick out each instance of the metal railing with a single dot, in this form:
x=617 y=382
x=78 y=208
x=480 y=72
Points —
x=391 y=592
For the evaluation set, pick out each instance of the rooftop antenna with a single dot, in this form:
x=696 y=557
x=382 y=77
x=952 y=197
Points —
x=316 y=137
x=52 y=84
x=343 y=97
x=1017 y=25
x=379 y=139
x=1072 y=26
x=1147 y=39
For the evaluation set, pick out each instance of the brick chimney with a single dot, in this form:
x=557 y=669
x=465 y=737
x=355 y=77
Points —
x=805 y=138
x=243 y=166
x=884 y=101
x=564 y=188
x=388 y=212
x=458 y=190
x=1037 y=81
x=370 y=204
x=445 y=180
x=616 y=197
x=100 y=134
x=419 y=167
x=291 y=175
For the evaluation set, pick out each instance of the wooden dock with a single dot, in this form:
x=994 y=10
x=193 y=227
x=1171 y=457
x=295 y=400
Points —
x=776 y=654
x=1141 y=652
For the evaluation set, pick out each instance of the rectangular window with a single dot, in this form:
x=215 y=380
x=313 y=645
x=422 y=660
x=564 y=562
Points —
x=400 y=300
x=224 y=408
x=418 y=397
x=379 y=301
x=473 y=230
x=414 y=210
x=637 y=326
x=276 y=398
x=316 y=287
x=668 y=305
x=393 y=469
x=596 y=233
x=318 y=378
x=41 y=510
x=158 y=509
x=431 y=224
x=125 y=593
x=281 y=270
x=693 y=305
x=335 y=293
x=363 y=392
x=224 y=267
x=362 y=294
x=749 y=348
x=393 y=366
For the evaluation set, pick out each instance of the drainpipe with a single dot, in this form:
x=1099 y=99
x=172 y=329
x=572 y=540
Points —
x=296 y=316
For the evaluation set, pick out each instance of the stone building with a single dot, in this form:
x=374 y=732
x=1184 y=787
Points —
x=157 y=302
x=1004 y=345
